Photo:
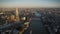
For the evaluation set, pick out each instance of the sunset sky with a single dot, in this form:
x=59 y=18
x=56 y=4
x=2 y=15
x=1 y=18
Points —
x=29 y=3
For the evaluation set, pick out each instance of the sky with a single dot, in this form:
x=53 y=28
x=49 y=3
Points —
x=29 y=3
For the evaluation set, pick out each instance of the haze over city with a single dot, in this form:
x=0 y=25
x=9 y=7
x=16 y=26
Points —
x=29 y=16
